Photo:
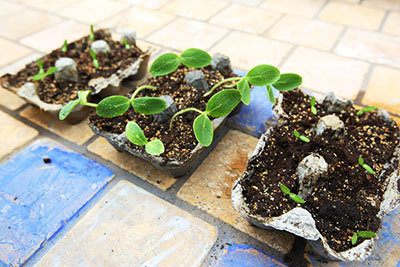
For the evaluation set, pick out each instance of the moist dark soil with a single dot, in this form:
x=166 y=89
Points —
x=180 y=140
x=61 y=92
x=347 y=198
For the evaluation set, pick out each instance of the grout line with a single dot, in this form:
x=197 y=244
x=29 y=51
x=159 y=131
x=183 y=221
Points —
x=285 y=58
x=219 y=40
x=315 y=17
x=364 y=85
x=339 y=38
x=266 y=32
x=383 y=22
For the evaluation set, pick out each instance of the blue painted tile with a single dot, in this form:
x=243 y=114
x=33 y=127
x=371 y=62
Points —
x=38 y=199
x=241 y=255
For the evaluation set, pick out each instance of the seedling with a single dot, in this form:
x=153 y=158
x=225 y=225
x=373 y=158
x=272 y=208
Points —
x=169 y=62
x=116 y=105
x=366 y=109
x=64 y=48
x=363 y=234
x=313 y=108
x=127 y=46
x=91 y=36
x=301 y=137
x=95 y=62
x=42 y=74
x=293 y=196
x=219 y=105
x=365 y=166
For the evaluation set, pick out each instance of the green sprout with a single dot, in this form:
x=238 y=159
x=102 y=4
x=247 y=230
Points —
x=219 y=105
x=95 y=61
x=42 y=74
x=366 y=109
x=365 y=166
x=301 y=137
x=313 y=108
x=363 y=234
x=127 y=46
x=91 y=36
x=117 y=105
x=293 y=196
x=64 y=48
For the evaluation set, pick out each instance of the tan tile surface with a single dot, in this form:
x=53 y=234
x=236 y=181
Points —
x=150 y=4
x=388 y=4
x=20 y=24
x=371 y=46
x=307 y=32
x=19 y=64
x=9 y=8
x=248 y=2
x=132 y=164
x=10 y=100
x=248 y=19
x=13 y=134
x=248 y=50
x=209 y=187
x=184 y=33
x=384 y=89
x=195 y=9
x=131 y=227
x=53 y=37
x=48 y=5
x=144 y=21
x=324 y=72
x=77 y=133
x=392 y=23
x=11 y=51
x=353 y=15
x=92 y=11
x=304 y=8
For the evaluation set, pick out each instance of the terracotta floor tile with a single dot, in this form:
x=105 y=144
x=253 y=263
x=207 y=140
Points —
x=388 y=4
x=92 y=11
x=53 y=37
x=303 y=8
x=353 y=15
x=371 y=46
x=392 y=24
x=10 y=100
x=48 y=5
x=248 y=50
x=307 y=32
x=195 y=9
x=209 y=188
x=149 y=4
x=9 y=8
x=248 y=19
x=11 y=51
x=248 y=2
x=324 y=72
x=184 y=33
x=20 y=24
x=142 y=20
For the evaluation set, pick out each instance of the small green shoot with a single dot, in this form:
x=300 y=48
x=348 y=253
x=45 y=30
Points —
x=301 y=137
x=95 y=62
x=363 y=234
x=42 y=74
x=91 y=36
x=64 y=48
x=366 y=109
x=135 y=134
x=127 y=46
x=293 y=196
x=313 y=108
x=365 y=166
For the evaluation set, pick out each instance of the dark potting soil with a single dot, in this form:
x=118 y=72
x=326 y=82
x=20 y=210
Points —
x=345 y=200
x=180 y=140
x=61 y=92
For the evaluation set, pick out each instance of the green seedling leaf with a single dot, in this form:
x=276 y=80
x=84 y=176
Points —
x=304 y=139
x=148 y=105
x=92 y=54
x=135 y=134
x=366 y=234
x=285 y=189
x=223 y=102
x=270 y=94
x=91 y=37
x=296 y=133
x=127 y=46
x=96 y=63
x=51 y=70
x=195 y=58
x=203 y=130
x=155 y=147
x=82 y=96
x=263 y=75
x=287 y=82
x=368 y=168
x=38 y=77
x=354 y=239
x=244 y=89
x=296 y=198
x=64 y=48
x=67 y=109
x=313 y=108
x=112 y=106
x=360 y=161
x=366 y=109
x=40 y=65
x=165 y=64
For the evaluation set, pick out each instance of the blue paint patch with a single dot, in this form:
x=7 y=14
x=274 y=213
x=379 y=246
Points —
x=38 y=199
x=241 y=255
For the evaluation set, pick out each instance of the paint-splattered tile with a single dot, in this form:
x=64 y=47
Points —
x=242 y=255
x=131 y=227
x=41 y=189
